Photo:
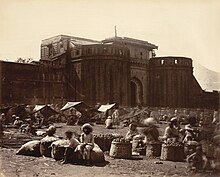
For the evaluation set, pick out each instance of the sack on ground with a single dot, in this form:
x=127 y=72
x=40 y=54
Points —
x=31 y=148
x=97 y=154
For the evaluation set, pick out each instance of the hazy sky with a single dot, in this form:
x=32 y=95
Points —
x=188 y=28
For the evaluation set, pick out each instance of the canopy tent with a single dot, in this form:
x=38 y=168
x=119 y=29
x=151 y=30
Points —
x=142 y=113
x=80 y=106
x=69 y=105
x=45 y=110
x=38 y=108
x=86 y=111
x=104 y=108
x=5 y=109
x=18 y=110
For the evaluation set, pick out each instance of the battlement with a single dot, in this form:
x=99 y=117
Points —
x=100 y=50
x=171 y=61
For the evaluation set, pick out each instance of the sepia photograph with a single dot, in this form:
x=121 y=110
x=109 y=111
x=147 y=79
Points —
x=95 y=88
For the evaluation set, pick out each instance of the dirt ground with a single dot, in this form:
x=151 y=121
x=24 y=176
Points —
x=17 y=165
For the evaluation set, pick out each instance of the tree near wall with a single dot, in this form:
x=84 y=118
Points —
x=24 y=60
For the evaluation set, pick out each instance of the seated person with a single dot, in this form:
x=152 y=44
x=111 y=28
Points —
x=86 y=143
x=47 y=141
x=191 y=130
x=17 y=122
x=197 y=160
x=172 y=131
x=151 y=131
x=73 y=143
x=134 y=137
x=115 y=117
x=51 y=131
x=109 y=122
x=72 y=117
x=13 y=117
x=30 y=128
x=132 y=132
x=190 y=146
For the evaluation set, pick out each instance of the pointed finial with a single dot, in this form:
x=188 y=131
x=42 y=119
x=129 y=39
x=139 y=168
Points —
x=115 y=31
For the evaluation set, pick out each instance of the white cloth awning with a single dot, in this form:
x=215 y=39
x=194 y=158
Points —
x=45 y=110
x=104 y=108
x=69 y=105
x=38 y=108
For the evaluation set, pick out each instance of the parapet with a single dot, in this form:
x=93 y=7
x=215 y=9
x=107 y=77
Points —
x=100 y=50
x=170 y=61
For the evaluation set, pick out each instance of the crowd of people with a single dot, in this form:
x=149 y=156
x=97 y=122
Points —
x=112 y=118
x=84 y=145
x=79 y=147
x=188 y=135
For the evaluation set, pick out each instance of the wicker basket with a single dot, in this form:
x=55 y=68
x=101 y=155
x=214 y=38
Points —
x=103 y=143
x=121 y=150
x=153 y=150
x=172 y=153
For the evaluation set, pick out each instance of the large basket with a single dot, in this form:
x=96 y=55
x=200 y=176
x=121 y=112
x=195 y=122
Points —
x=172 y=153
x=121 y=150
x=153 y=150
x=103 y=142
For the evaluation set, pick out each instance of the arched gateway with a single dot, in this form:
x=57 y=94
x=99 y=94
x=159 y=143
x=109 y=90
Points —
x=136 y=92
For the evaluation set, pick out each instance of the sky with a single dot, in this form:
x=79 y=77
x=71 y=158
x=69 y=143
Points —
x=189 y=28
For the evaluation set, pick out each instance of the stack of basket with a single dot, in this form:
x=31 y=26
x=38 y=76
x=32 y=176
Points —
x=104 y=141
x=120 y=149
x=153 y=149
x=172 y=151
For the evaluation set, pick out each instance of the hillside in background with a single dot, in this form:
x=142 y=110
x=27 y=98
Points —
x=209 y=80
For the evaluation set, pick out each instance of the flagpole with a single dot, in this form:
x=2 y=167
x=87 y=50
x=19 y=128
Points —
x=115 y=31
